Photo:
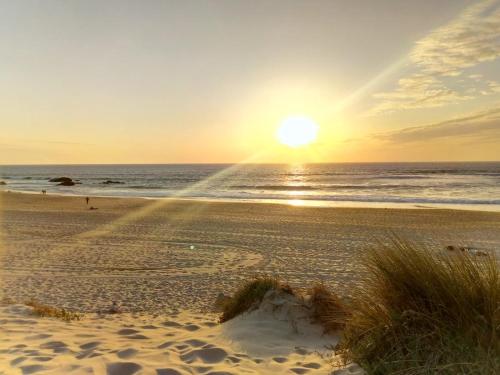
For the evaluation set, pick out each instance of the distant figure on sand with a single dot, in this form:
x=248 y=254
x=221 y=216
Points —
x=87 y=200
x=115 y=309
x=44 y=191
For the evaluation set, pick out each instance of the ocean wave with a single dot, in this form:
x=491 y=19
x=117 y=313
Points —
x=338 y=187
x=276 y=187
x=399 y=174
x=146 y=187
x=360 y=198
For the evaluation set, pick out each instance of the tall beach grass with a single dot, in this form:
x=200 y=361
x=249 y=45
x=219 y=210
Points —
x=418 y=311
x=425 y=312
x=250 y=295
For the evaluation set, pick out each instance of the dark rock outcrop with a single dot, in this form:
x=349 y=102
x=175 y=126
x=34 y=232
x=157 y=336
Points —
x=61 y=179
x=66 y=183
x=3 y=183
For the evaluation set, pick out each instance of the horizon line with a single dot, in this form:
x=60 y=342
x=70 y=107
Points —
x=260 y=163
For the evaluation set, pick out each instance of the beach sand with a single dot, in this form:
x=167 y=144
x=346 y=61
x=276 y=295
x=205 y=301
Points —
x=167 y=260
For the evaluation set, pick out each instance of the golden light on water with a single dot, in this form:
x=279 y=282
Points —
x=297 y=131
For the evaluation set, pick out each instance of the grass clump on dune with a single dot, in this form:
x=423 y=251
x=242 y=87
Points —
x=250 y=295
x=423 y=312
x=52 y=312
x=327 y=308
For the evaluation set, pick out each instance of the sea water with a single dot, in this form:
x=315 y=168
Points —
x=456 y=185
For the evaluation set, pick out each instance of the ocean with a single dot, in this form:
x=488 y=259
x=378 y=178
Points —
x=447 y=185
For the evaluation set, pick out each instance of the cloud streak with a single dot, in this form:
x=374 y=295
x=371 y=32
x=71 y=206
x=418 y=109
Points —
x=471 y=39
x=484 y=124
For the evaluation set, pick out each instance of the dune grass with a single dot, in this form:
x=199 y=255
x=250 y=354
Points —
x=250 y=295
x=42 y=310
x=424 y=312
x=328 y=309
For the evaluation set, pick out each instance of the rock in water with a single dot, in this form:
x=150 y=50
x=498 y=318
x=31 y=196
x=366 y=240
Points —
x=66 y=183
x=61 y=179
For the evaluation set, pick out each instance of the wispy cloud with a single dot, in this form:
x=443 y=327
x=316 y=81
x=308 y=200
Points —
x=472 y=38
x=56 y=143
x=484 y=124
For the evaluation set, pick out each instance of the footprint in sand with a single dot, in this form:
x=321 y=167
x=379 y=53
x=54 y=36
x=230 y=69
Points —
x=126 y=353
x=195 y=343
x=87 y=354
x=171 y=324
x=191 y=327
x=137 y=337
x=122 y=368
x=167 y=371
x=201 y=369
x=207 y=355
x=181 y=347
x=209 y=324
x=56 y=346
x=299 y=370
x=31 y=369
x=127 y=331
x=131 y=334
x=43 y=359
x=166 y=344
x=90 y=345
x=17 y=361
x=149 y=327
x=280 y=359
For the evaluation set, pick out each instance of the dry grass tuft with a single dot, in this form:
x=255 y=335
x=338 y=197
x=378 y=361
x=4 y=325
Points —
x=423 y=312
x=250 y=295
x=327 y=308
x=53 y=312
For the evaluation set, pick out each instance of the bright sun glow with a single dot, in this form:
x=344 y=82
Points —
x=297 y=131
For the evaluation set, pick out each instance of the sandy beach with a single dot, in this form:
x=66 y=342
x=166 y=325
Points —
x=165 y=261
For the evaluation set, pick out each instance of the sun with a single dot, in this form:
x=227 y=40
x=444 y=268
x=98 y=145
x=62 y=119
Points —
x=297 y=131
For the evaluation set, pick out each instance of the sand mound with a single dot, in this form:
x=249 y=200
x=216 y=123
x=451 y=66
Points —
x=275 y=338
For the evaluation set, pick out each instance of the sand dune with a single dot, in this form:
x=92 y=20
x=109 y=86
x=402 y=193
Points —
x=259 y=342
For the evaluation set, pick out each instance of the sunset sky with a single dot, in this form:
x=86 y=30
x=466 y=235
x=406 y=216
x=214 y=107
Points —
x=210 y=81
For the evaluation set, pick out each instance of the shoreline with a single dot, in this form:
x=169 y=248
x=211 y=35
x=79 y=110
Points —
x=316 y=203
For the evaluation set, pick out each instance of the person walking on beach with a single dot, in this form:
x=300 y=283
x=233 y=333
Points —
x=87 y=200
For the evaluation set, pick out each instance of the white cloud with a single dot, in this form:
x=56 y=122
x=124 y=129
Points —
x=472 y=38
x=483 y=124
